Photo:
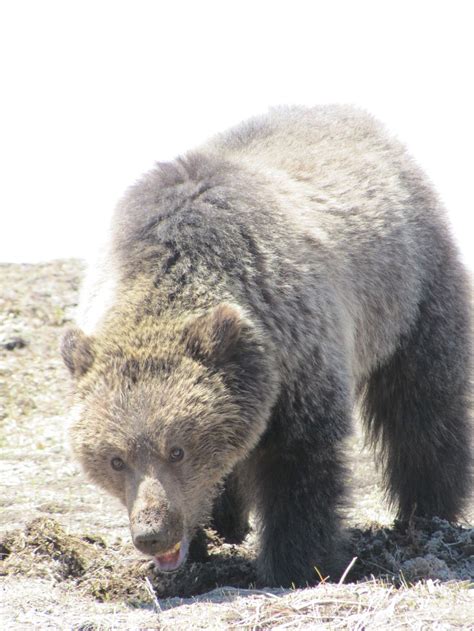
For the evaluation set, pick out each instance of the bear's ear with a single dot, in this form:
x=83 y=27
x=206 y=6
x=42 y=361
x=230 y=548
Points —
x=77 y=352
x=213 y=335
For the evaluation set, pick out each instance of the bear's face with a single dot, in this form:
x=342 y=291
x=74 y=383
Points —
x=162 y=430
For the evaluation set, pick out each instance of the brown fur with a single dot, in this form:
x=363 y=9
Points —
x=250 y=292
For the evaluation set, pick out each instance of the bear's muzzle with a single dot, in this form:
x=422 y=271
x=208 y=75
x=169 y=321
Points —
x=156 y=532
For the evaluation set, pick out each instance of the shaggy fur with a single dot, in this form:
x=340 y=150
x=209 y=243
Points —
x=251 y=292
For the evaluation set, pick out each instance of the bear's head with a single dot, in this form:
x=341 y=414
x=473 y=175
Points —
x=164 y=411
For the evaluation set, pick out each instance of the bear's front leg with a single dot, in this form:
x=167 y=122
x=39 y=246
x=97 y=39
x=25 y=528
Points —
x=298 y=500
x=230 y=516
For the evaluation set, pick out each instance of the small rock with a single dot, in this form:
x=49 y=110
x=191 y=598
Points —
x=13 y=343
x=426 y=567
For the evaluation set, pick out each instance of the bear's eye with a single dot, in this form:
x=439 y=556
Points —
x=117 y=463
x=176 y=454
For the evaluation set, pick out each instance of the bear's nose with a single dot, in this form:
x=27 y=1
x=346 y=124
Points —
x=154 y=532
x=148 y=542
x=152 y=541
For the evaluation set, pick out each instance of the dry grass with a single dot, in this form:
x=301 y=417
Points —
x=66 y=557
x=363 y=606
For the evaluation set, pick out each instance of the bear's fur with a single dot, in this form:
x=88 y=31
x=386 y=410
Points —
x=250 y=294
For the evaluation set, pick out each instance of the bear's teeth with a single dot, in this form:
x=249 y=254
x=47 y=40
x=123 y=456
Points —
x=172 y=550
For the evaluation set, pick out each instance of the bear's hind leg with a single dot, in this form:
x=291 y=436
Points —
x=416 y=407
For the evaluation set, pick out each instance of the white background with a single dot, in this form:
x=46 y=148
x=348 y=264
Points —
x=92 y=93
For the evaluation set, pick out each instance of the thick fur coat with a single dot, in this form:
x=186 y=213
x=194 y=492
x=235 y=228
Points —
x=251 y=293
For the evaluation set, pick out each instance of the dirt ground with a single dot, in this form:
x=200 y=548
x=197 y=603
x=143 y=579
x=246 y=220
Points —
x=65 y=555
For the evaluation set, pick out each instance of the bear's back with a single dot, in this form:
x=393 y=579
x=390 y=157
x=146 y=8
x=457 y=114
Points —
x=306 y=202
x=355 y=193
x=341 y=152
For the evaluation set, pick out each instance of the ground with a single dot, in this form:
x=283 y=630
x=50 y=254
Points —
x=66 y=560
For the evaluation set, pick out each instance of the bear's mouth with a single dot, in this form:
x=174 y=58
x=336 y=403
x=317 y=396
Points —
x=173 y=558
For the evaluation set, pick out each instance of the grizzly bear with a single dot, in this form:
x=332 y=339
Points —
x=250 y=294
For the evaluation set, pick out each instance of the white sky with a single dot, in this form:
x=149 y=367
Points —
x=92 y=93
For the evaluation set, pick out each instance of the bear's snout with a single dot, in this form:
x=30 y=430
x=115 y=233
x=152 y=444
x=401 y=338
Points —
x=155 y=533
x=152 y=542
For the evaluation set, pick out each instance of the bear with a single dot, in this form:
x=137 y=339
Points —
x=250 y=294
